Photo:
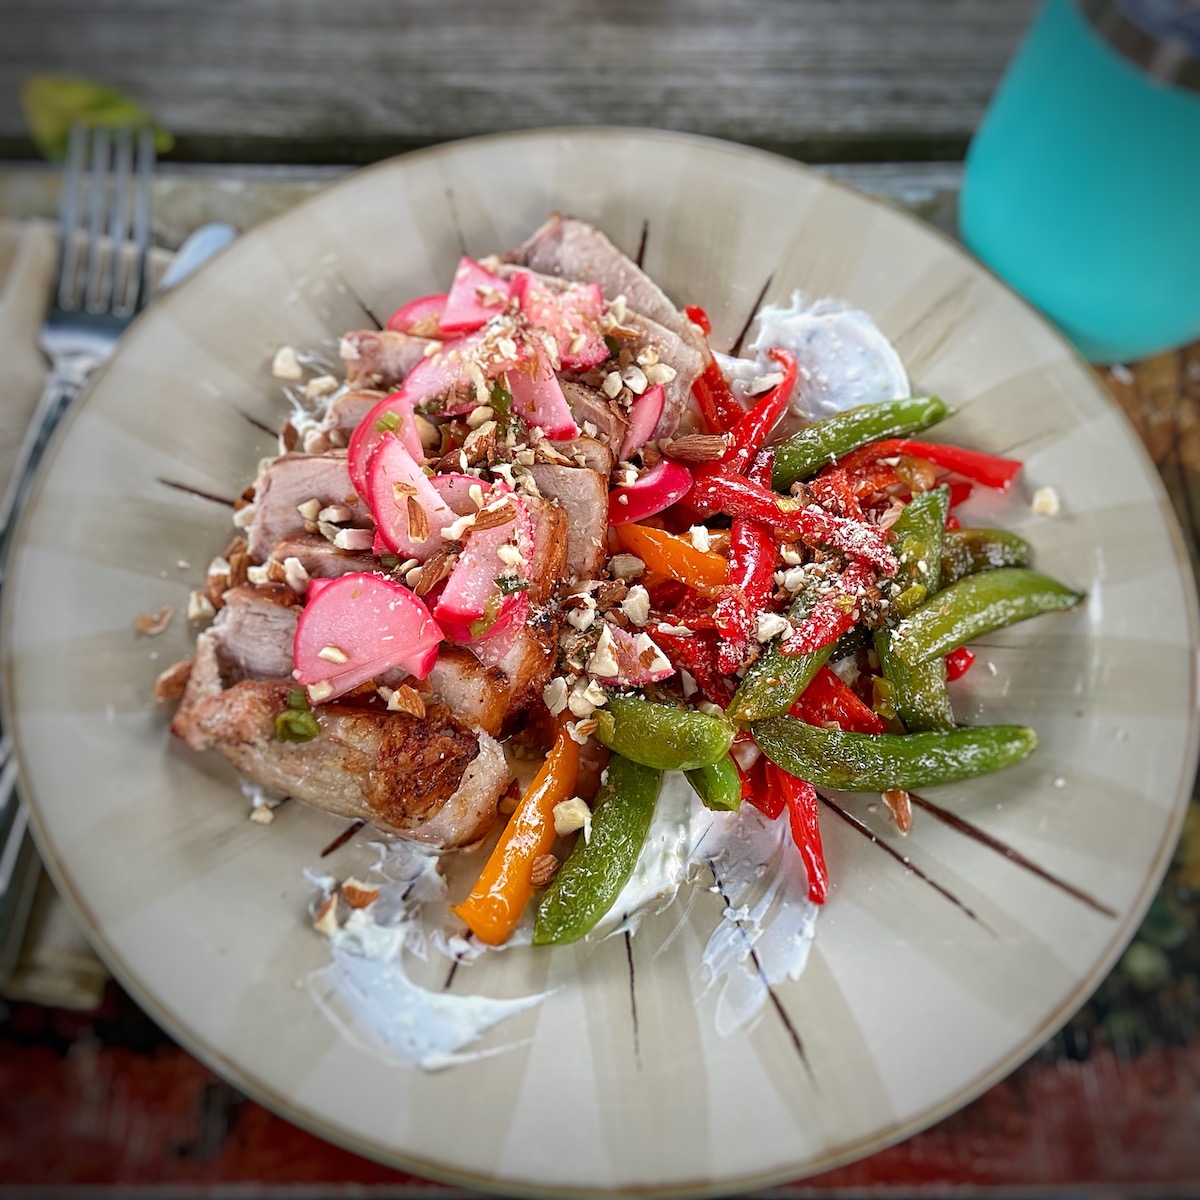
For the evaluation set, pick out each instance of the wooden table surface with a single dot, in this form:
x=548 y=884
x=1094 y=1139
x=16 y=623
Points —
x=356 y=80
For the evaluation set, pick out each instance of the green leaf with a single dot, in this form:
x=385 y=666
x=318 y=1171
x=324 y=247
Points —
x=508 y=584
x=53 y=103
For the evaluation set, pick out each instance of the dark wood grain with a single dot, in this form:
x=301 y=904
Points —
x=302 y=81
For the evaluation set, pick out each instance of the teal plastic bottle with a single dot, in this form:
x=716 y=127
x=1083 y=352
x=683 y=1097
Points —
x=1082 y=185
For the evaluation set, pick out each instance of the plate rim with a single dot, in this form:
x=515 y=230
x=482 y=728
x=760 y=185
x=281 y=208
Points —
x=261 y=1092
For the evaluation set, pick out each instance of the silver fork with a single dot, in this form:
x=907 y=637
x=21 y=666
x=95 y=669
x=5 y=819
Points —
x=104 y=228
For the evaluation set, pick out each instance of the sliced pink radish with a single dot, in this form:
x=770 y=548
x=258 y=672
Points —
x=660 y=487
x=571 y=317
x=357 y=627
x=420 y=317
x=484 y=594
x=643 y=416
x=475 y=297
x=630 y=651
x=393 y=479
x=538 y=398
x=455 y=491
x=436 y=380
x=393 y=415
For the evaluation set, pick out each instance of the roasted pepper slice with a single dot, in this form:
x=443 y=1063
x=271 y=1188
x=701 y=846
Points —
x=504 y=887
x=965 y=551
x=975 y=606
x=856 y=762
x=599 y=867
x=827 y=440
x=801 y=799
x=675 y=556
x=662 y=736
x=774 y=681
x=719 y=785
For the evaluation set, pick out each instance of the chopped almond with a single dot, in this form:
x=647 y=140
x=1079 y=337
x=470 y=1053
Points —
x=543 y=869
x=152 y=624
x=694 y=447
x=898 y=801
x=170 y=685
x=358 y=894
x=418 y=521
x=325 y=921
x=406 y=699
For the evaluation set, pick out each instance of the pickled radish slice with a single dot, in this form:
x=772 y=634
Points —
x=393 y=479
x=357 y=627
x=571 y=317
x=475 y=297
x=643 y=417
x=538 y=398
x=391 y=417
x=419 y=317
x=657 y=489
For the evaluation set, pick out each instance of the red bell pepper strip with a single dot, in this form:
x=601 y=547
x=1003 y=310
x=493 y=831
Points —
x=698 y=316
x=960 y=490
x=801 y=800
x=952 y=522
x=696 y=654
x=751 y=580
x=739 y=497
x=833 y=614
x=828 y=699
x=833 y=489
x=718 y=404
x=958 y=663
x=760 y=790
x=749 y=434
x=987 y=469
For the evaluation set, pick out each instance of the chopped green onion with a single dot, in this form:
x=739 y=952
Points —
x=297 y=698
x=614 y=347
x=501 y=399
x=491 y=612
x=388 y=423
x=294 y=726
x=389 y=562
x=508 y=584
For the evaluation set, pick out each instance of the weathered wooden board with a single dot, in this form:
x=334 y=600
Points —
x=353 y=80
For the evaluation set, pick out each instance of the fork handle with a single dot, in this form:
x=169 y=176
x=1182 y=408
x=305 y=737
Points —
x=62 y=386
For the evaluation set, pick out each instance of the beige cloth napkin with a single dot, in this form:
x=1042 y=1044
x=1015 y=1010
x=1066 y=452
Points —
x=55 y=964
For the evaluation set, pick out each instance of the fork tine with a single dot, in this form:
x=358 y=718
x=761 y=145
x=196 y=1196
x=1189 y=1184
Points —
x=141 y=220
x=68 y=217
x=97 y=205
x=106 y=298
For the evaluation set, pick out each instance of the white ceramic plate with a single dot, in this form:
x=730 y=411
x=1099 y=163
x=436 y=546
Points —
x=909 y=1006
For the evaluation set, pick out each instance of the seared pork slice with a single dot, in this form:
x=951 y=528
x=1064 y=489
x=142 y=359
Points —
x=253 y=633
x=573 y=249
x=430 y=779
x=550 y=534
x=286 y=482
x=380 y=358
x=320 y=557
x=591 y=407
x=477 y=695
x=676 y=352
x=583 y=495
x=340 y=420
x=587 y=452
x=525 y=654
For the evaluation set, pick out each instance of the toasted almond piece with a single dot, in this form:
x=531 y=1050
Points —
x=172 y=682
x=436 y=568
x=321 y=690
x=489 y=518
x=152 y=624
x=358 y=894
x=326 y=921
x=543 y=869
x=320 y=385
x=418 y=521
x=694 y=447
x=336 y=514
x=262 y=814
x=286 y=366
x=406 y=699
x=199 y=607
x=402 y=492
x=239 y=566
x=333 y=654
x=309 y=509
x=898 y=800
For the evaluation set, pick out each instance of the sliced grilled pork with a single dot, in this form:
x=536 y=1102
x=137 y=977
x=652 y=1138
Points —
x=590 y=406
x=340 y=420
x=525 y=656
x=476 y=694
x=430 y=779
x=676 y=352
x=573 y=249
x=587 y=452
x=380 y=358
x=583 y=495
x=286 y=482
x=549 y=565
x=320 y=557
x=253 y=633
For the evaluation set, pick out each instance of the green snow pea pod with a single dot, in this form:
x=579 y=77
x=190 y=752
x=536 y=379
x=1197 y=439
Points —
x=856 y=762
x=975 y=606
x=820 y=443
x=661 y=735
x=918 y=693
x=598 y=867
x=965 y=551
x=718 y=785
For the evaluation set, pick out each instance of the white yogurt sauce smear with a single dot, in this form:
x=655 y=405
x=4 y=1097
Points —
x=762 y=937
x=844 y=358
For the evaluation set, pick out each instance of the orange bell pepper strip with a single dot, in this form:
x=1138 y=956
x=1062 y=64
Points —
x=674 y=556
x=504 y=886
